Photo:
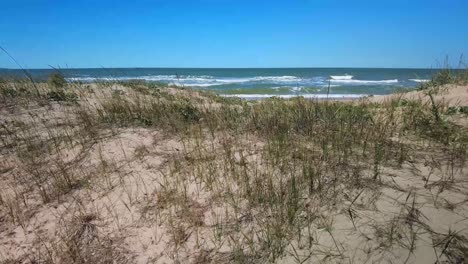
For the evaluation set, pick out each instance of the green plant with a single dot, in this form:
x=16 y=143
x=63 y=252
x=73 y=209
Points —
x=62 y=96
x=56 y=80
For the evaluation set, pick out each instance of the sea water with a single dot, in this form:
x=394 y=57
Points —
x=261 y=82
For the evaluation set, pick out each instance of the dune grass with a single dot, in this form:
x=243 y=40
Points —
x=276 y=176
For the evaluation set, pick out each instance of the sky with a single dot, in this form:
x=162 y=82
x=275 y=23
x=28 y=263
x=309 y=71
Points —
x=232 y=33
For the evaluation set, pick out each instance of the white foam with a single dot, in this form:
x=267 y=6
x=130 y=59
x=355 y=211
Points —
x=295 y=89
x=198 y=81
x=207 y=81
x=419 y=80
x=277 y=78
x=341 y=77
x=365 y=82
x=287 y=96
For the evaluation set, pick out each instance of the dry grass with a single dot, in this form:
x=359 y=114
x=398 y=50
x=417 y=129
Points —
x=129 y=172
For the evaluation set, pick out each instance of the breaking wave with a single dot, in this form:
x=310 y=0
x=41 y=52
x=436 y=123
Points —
x=419 y=80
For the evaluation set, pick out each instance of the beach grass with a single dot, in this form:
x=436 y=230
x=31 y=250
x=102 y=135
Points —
x=123 y=172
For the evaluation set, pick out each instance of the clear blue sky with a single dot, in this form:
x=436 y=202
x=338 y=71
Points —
x=237 y=33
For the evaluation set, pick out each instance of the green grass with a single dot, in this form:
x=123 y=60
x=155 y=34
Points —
x=444 y=77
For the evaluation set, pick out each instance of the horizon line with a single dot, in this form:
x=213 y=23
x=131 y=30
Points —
x=311 y=67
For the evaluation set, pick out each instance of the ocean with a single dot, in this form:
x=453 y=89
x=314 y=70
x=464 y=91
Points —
x=260 y=83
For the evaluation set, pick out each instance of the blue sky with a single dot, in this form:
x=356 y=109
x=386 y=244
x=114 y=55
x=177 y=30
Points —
x=225 y=33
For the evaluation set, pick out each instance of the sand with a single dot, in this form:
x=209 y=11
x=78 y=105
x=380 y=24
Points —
x=453 y=95
x=129 y=202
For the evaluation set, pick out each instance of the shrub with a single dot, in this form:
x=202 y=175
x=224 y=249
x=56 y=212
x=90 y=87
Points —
x=443 y=77
x=9 y=92
x=61 y=95
x=446 y=76
x=457 y=109
x=19 y=89
x=56 y=80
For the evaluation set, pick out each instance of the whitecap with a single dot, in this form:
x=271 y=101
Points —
x=276 y=78
x=207 y=81
x=420 y=80
x=202 y=81
x=341 y=77
x=295 y=89
x=365 y=82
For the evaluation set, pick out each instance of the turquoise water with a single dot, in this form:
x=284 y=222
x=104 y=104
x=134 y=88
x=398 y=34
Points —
x=284 y=82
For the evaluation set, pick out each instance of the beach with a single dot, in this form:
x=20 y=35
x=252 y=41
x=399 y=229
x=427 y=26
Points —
x=453 y=95
x=133 y=172
x=219 y=132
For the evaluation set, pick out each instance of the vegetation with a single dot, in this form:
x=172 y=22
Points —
x=56 y=80
x=135 y=172
x=444 y=77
